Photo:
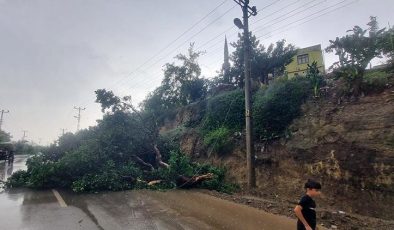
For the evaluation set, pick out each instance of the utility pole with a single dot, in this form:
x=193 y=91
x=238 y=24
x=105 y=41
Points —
x=63 y=131
x=79 y=115
x=1 y=118
x=24 y=135
x=247 y=12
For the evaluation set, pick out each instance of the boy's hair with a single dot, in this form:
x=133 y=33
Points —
x=311 y=184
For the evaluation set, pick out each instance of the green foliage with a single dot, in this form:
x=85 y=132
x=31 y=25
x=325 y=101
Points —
x=23 y=148
x=219 y=140
x=387 y=45
x=218 y=182
x=4 y=137
x=355 y=51
x=272 y=59
x=225 y=110
x=180 y=164
x=275 y=108
x=110 y=178
x=42 y=173
x=19 y=179
x=170 y=140
x=108 y=100
x=375 y=81
x=182 y=83
x=120 y=152
x=316 y=79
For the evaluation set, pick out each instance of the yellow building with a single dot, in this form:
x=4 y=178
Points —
x=304 y=57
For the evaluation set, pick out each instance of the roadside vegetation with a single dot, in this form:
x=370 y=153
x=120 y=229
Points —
x=125 y=150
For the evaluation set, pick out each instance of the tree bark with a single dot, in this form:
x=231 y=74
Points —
x=159 y=160
x=189 y=182
x=142 y=162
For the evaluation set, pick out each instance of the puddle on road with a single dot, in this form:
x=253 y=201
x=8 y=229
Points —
x=217 y=213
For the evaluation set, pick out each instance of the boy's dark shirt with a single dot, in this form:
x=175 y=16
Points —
x=308 y=211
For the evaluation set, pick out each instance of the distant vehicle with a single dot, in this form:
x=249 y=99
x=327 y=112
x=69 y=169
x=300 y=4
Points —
x=7 y=150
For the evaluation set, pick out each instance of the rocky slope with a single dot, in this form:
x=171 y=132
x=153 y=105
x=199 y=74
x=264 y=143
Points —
x=348 y=147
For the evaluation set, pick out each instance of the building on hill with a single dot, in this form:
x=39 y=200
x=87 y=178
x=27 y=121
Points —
x=306 y=56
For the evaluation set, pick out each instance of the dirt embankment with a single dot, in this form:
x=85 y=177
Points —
x=348 y=147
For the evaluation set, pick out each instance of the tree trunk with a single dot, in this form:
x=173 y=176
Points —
x=142 y=162
x=159 y=160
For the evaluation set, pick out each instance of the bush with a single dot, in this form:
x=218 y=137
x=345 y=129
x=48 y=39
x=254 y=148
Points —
x=225 y=110
x=218 y=182
x=219 y=140
x=375 y=82
x=275 y=108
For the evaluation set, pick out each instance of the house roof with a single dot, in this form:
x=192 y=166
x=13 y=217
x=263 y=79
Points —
x=309 y=49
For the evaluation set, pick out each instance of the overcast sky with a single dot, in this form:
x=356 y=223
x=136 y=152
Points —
x=55 y=53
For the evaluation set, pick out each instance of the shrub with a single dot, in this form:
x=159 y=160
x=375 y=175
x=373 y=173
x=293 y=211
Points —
x=375 y=82
x=219 y=140
x=225 y=110
x=275 y=108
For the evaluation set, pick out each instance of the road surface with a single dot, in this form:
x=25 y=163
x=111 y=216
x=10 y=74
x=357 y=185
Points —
x=140 y=210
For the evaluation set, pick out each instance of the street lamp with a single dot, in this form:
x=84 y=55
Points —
x=238 y=23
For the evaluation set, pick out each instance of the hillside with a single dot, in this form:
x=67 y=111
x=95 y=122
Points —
x=349 y=147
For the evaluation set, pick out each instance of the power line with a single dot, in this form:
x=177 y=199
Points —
x=167 y=55
x=292 y=15
x=271 y=4
x=189 y=39
x=172 y=42
x=181 y=35
x=265 y=7
x=168 y=45
x=267 y=16
x=149 y=81
x=316 y=13
x=275 y=20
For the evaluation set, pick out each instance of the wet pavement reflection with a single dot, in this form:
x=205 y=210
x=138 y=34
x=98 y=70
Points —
x=8 y=167
x=140 y=209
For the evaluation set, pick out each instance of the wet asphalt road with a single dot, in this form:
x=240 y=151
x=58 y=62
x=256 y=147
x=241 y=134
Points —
x=142 y=210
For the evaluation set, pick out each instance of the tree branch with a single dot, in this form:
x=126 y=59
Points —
x=142 y=162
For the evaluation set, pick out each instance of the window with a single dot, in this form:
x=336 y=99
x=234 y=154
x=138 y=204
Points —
x=303 y=59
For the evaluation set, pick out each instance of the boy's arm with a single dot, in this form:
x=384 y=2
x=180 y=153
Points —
x=297 y=211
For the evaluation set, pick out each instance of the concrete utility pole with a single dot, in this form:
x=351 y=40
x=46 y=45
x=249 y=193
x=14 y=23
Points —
x=63 y=131
x=79 y=115
x=1 y=118
x=247 y=12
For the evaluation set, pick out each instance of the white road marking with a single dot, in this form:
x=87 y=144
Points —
x=59 y=198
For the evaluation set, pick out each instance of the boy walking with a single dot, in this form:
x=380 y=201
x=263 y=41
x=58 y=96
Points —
x=305 y=209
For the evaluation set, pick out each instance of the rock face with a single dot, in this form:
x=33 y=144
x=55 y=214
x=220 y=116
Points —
x=348 y=147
